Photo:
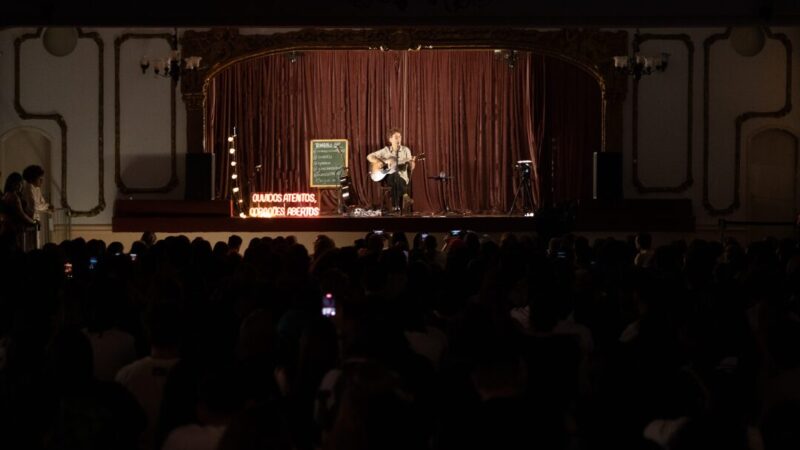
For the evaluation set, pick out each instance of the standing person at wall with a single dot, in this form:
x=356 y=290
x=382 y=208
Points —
x=34 y=203
x=15 y=220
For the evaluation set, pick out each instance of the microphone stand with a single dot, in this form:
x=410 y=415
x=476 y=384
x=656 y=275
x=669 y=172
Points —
x=250 y=180
x=341 y=207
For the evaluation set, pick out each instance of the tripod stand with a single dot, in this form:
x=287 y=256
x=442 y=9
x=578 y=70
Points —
x=524 y=190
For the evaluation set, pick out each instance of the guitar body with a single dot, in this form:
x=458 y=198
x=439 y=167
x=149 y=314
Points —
x=379 y=169
x=378 y=173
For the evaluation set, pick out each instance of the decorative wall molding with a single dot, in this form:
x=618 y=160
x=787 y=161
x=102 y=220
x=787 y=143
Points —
x=591 y=50
x=688 y=180
x=740 y=119
x=173 y=177
x=62 y=124
x=793 y=134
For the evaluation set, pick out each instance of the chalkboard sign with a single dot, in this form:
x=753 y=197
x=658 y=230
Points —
x=326 y=159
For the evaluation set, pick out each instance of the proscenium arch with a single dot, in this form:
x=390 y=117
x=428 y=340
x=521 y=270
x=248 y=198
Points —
x=590 y=50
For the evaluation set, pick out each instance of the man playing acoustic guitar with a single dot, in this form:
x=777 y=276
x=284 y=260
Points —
x=393 y=163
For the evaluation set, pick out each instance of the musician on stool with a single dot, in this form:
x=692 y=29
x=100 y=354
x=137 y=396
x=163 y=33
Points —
x=393 y=163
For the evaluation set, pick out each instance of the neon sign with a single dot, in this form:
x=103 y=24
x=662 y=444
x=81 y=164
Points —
x=277 y=204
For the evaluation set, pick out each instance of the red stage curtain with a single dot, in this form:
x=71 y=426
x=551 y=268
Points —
x=469 y=111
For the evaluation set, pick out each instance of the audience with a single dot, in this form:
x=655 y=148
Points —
x=522 y=343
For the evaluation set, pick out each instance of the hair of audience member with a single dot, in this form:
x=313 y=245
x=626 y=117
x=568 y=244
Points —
x=149 y=238
x=375 y=243
x=430 y=243
x=201 y=249
x=375 y=412
x=417 y=242
x=138 y=248
x=32 y=173
x=400 y=240
x=114 y=248
x=234 y=243
x=220 y=249
x=322 y=244
x=360 y=243
x=473 y=242
x=96 y=247
x=13 y=183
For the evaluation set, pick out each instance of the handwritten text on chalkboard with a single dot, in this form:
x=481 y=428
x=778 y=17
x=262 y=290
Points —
x=327 y=160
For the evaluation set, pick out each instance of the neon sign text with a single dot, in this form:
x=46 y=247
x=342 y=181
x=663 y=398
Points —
x=278 y=204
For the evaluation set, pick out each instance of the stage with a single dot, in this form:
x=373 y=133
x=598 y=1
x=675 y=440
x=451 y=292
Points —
x=185 y=216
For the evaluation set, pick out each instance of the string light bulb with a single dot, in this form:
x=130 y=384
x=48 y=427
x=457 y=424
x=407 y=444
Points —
x=236 y=191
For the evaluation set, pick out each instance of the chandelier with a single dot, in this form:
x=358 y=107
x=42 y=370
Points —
x=637 y=64
x=172 y=66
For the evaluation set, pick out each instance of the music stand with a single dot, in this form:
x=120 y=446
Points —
x=442 y=179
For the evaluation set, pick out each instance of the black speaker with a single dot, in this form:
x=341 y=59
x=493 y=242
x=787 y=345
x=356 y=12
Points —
x=199 y=176
x=607 y=172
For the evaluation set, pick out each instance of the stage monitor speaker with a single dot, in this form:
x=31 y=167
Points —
x=199 y=176
x=607 y=173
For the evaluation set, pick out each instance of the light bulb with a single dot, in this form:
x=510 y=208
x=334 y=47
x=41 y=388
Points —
x=233 y=163
x=230 y=138
x=234 y=176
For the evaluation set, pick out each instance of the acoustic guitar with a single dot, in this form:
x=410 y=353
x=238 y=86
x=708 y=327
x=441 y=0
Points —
x=380 y=169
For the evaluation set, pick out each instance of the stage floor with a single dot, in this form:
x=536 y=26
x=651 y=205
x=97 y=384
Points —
x=185 y=216
x=327 y=223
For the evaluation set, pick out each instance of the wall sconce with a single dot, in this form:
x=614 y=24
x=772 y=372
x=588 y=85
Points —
x=172 y=66
x=637 y=64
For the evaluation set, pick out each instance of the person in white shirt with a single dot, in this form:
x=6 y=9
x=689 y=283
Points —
x=393 y=163
x=33 y=201
x=146 y=377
